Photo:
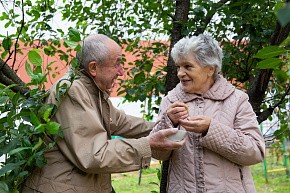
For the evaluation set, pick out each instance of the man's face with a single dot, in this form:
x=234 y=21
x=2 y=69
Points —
x=107 y=74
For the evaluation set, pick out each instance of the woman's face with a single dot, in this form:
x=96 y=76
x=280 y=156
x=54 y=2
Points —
x=194 y=78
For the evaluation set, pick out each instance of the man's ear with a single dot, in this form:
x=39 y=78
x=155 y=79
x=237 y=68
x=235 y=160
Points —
x=92 y=68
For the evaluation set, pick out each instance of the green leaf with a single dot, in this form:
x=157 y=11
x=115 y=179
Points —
x=71 y=44
x=45 y=111
x=4 y=187
x=40 y=160
x=269 y=63
x=6 y=88
x=34 y=119
x=18 y=150
x=4 y=99
x=52 y=127
x=74 y=35
x=286 y=41
x=278 y=6
x=10 y=166
x=75 y=63
x=281 y=75
x=7 y=43
x=284 y=14
x=38 y=145
x=39 y=128
x=269 y=52
x=139 y=78
x=29 y=70
x=34 y=58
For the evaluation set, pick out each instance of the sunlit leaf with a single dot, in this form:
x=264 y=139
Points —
x=269 y=52
x=38 y=144
x=52 y=127
x=34 y=58
x=34 y=119
x=74 y=35
x=29 y=70
x=269 y=63
x=71 y=44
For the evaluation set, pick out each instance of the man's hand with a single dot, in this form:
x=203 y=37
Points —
x=197 y=124
x=160 y=141
x=177 y=111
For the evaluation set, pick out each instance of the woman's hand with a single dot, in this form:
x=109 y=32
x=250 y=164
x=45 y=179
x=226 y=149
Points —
x=177 y=111
x=197 y=124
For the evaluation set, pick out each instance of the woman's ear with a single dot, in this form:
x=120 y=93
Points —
x=92 y=68
x=212 y=70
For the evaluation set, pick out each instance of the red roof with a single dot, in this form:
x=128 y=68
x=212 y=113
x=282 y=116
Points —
x=59 y=67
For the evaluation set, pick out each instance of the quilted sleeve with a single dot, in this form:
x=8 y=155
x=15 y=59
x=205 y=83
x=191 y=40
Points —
x=243 y=144
x=162 y=122
x=86 y=143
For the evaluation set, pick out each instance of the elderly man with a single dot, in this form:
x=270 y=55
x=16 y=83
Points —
x=83 y=160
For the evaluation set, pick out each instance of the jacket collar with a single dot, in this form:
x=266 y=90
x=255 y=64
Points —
x=90 y=84
x=220 y=90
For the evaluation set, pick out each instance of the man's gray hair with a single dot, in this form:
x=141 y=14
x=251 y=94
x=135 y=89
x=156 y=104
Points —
x=203 y=48
x=94 y=48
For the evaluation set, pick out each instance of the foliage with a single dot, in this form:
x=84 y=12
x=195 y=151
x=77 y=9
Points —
x=244 y=29
x=277 y=59
x=26 y=128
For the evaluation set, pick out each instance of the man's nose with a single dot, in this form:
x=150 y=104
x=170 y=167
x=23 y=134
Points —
x=120 y=70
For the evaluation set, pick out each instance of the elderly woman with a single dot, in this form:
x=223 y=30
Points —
x=223 y=137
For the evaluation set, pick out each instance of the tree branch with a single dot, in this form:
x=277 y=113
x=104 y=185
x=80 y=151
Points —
x=8 y=72
x=8 y=82
x=258 y=84
x=269 y=111
x=209 y=16
x=9 y=77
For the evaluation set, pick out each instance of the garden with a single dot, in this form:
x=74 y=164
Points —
x=277 y=181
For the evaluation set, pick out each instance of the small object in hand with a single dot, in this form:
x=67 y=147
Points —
x=177 y=136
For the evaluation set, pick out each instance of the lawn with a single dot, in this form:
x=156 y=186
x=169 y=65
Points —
x=128 y=182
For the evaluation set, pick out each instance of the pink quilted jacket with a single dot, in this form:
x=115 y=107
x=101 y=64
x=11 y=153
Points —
x=218 y=162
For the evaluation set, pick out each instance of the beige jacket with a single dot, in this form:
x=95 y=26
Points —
x=82 y=162
x=218 y=162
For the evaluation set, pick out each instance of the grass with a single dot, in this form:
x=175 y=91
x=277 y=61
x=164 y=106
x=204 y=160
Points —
x=277 y=181
x=128 y=182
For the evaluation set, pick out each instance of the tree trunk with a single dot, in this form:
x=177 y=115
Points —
x=180 y=17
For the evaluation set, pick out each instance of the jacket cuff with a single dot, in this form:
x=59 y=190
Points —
x=144 y=149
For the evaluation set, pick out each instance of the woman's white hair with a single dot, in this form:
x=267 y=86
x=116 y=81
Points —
x=203 y=48
x=94 y=48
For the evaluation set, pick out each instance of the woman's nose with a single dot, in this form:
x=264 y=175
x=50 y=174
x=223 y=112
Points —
x=180 y=73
